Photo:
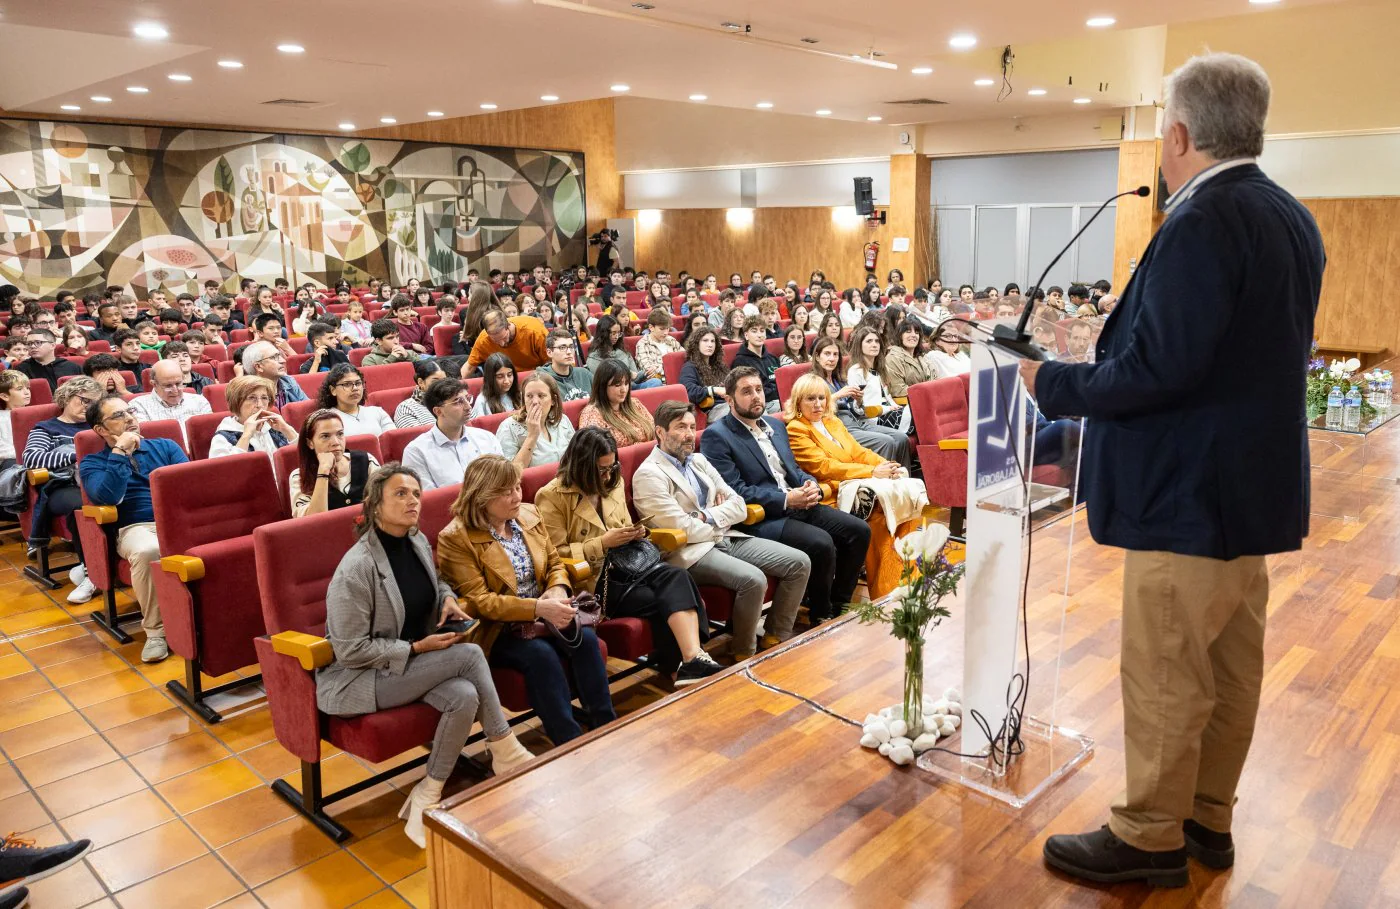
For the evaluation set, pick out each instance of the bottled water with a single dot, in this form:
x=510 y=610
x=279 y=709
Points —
x=1387 y=385
x=1351 y=409
x=1334 y=407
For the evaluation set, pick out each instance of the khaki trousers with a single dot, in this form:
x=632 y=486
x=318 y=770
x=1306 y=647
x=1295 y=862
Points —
x=1192 y=666
x=138 y=544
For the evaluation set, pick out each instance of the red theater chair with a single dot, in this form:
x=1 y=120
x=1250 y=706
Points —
x=941 y=420
x=671 y=364
x=284 y=461
x=22 y=420
x=786 y=377
x=206 y=512
x=387 y=375
x=442 y=339
x=296 y=412
x=389 y=399
x=393 y=442
x=199 y=432
x=491 y=422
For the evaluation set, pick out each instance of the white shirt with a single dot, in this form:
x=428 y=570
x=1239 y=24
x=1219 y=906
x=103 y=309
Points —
x=1188 y=189
x=7 y=435
x=763 y=434
x=150 y=407
x=850 y=316
x=368 y=421
x=261 y=440
x=946 y=364
x=439 y=461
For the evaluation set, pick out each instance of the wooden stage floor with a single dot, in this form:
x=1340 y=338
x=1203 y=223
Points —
x=733 y=795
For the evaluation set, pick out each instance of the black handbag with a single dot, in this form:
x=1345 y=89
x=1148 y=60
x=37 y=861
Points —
x=629 y=565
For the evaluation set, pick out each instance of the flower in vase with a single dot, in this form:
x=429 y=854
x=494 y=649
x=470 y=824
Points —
x=927 y=542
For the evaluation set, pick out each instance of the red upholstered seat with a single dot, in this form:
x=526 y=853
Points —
x=442 y=339
x=39 y=391
x=491 y=422
x=671 y=364
x=310 y=384
x=393 y=442
x=199 y=431
x=774 y=346
x=533 y=479
x=388 y=375
x=787 y=376
x=390 y=398
x=435 y=512
x=631 y=457
x=357 y=356
x=651 y=398
x=626 y=638
x=572 y=409
x=379 y=736
x=296 y=412
x=940 y=412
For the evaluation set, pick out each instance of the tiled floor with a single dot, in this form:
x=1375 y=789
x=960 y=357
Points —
x=179 y=812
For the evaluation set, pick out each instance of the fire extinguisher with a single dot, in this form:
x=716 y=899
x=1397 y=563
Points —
x=872 y=252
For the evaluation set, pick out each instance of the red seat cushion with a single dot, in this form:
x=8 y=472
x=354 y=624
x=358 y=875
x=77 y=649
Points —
x=627 y=638
x=378 y=736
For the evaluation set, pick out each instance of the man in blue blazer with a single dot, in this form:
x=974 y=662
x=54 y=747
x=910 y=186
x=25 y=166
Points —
x=1196 y=462
x=752 y=454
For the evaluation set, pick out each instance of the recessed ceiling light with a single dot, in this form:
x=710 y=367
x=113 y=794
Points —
x=699 y=97
x=549 y=97
x=985 y=82
x=921 y=70
x=180 y=77
x=387 y=120
x=488 y=106
x=230 y=64
x=1263 y=2
x=732 y=26
x=151 y=30
x=1101 y=22
x=291 y=48
x=1082 y=100
x=101 y=99
x=875 y=119
x=434 y=113
x=764 y=105
x=69 y=107
x=962 y=42
x=620 y=87
x=347 y=126
x=1036 y=92
x=137 y=89
x=823 y=113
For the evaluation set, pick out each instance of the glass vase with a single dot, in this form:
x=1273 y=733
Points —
x=914 y=686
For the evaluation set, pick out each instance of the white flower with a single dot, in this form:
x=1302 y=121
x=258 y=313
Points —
x=927 y=542
x=1352 y=365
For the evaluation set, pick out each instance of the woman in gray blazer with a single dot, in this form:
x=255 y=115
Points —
x=384 y=610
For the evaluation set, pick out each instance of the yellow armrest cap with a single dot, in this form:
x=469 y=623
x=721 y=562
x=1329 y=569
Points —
x=38 y=476
x=668 y=539
x=952 y=444
x=901 y=400
x=579 y=570
x=101 y=514
x=753 y=514
x=186 y=568
x=310 y=651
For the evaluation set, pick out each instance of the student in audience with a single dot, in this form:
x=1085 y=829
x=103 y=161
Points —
x=703 y=374
x=264 y=360
x=1078 y=296
x=794 y=346
x=823 y=303
x=334 y=476
x=498 y=558
x=308 y=311
x=385 y=630
x=853 y=306
x=694 y=322
x=947 y=356
x=966 y=293
x=801 y=318
x=170 y=323
x=675 y=487
x=867 y=372
x=411 y=410
x=268 y=327
x=656 y=343
x=588 y=488
x=14 y=394
x=253 y=423
x=500 y=387
x=719 y=316
x=168 y=399
x=211 y=293
x=130 y=309
x=692 y=304
x=754 y=353
x=344 y=392
x=769 y=314
x=521 y=339
x=266 y=303
x=441 y=455
x=631 y=323
x=323 y=343
x=573 y=381
x=232 y=318
x=387 y=348
x=413 y=334
x=50 y=446
x=538 y=432
x=213 y=330
x=904 y=361
x=383 y=296
x=830 y=327
x=607 y=345
x=120 y=475
x=446 y=307
x=73 y=342
x=105 y=369
x=181 y=355
x=43 y=363
x=109 y=322
x=149 y=336
x=127 y=345
x=751 y=452
x=355 y=327
x=733 y=329
x=828 y=362
x=611 y=407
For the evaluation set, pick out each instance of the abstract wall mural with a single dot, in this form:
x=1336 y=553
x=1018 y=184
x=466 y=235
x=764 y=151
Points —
x=85 y=205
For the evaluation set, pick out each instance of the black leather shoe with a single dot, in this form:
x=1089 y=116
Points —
x=1105 y=859
x=1214 y=850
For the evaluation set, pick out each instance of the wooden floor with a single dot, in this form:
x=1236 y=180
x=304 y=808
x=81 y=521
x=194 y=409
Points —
x=182 y=817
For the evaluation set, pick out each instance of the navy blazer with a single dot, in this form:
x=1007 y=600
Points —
x=1197 y=436
x=732 y=450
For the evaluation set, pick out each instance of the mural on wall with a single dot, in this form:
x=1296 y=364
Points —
x=86 y=205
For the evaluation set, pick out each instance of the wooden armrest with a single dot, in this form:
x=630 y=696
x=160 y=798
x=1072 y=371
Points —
x=952 y=444
x=668 y=539
x=37 y=476
x=901 y=400
x=311 y=652
x=101 y=514
x=753 y=514
x=579 y=570
x=186 y=568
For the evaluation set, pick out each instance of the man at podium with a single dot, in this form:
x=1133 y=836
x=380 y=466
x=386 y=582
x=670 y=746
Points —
x=1195 y=461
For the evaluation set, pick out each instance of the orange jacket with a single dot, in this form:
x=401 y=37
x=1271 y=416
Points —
x=830 y=460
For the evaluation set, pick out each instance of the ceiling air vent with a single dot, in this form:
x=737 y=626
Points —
x=294 y=102
x=917 y=102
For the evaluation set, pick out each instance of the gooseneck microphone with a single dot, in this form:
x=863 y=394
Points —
x=1018 y=340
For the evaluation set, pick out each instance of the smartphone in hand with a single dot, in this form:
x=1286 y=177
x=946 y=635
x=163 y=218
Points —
x=457 y=626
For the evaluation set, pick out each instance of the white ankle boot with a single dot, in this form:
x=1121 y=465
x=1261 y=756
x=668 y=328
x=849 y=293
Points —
x=507 y=754
x=425 y=795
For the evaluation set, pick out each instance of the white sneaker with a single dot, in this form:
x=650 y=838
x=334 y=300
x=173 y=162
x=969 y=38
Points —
x=83 y=592
x=77 y=574
x=154 y=650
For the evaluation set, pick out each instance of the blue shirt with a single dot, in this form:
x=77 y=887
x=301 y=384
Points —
x=697 y=485
x=110 y=478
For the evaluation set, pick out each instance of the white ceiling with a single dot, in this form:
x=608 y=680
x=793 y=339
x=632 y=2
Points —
x=366 y=60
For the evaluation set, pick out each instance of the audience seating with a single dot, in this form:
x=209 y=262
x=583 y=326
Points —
x=22 y=420
x=388 y=375
x=940 y=415
x=442 y=339
x=357 y=356
x=296 y=412
x=390 y=398
x=40 y=393
x=572 y=409
x=199 y=432
x=491 y=422
x=215 y=395
x=787 y=376
x=671 y=365
x=393 y=442
x=284 y=461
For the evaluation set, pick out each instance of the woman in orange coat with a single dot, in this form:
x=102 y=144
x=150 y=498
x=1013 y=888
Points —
x=824 y=447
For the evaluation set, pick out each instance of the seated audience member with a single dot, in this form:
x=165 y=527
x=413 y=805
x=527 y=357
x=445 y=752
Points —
x=337 y=476
x=354 y=327
x=769 y=314
x=947 y=357
x=853 y=307
x=268 y=329
x=751 y=452
x=703 y=374
x=1006 y=309
x=344 y=392
x=109 y=322
x=675 y=487
x=43 y=363
x=13 y=351
x=14 y=394
x=520 y=338
x=794 y=346
x=607 y=345
x=168 y=399
x=120 y=475
x=719 y=316
x=904 y=361
x=106 y=370
x=148 y=335
x=440 y=456
x=263 y=360
x=755 y=355
x=1107 y=302
x=611 y=408
x=413 y=334
x=733 y=329
x=50 y=445
x=588 y=488
x=574 y=381
x=265 y=303
x=655 y=344
x=693 y=324
x=1079 y=344
x=411 y=411
x=538 y=432
x=130 y=309
x=179 y=353
x=308 y=311
x=253 y=423
x=1078 y=296
x=446 y=307
x=499 y=559
x=480 y=300
x=1042 y=333
x=213 y=331
x=127 y=345
x=171 y=324
x=223 y=310
x=861 y=482
x=385 y=631
x=867 y=372
x=500 y=387
x=323 y=343
x=387 y=348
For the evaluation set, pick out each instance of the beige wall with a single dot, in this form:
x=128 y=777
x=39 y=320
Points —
x=1057 y=132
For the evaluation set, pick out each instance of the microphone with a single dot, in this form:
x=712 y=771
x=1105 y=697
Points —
x=1018 y=340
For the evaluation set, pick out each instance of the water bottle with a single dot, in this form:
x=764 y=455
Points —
x=1387 y=385
x=1334 y=407
x=1351 y=409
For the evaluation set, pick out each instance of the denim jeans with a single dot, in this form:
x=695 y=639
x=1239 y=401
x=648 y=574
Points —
x=649 y=383
x=543 y=662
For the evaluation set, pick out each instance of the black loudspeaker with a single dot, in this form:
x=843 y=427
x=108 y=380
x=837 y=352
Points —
x=865 y=197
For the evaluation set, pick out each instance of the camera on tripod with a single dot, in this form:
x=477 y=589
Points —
x=603 y=236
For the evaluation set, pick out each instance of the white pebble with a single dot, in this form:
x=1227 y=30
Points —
x=925 y=742
x=885 y=748
x=955 y=720
x=887 y=712
x=898 y=728
x=955 y=709
x=939 y=708
x=872 y=718
x=900 y=740
x=880 y=731
x=869 y=741
x=902 y=755
x=952 y=694
x=945 y=726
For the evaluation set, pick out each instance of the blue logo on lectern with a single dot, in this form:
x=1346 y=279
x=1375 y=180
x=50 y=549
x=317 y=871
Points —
x=996 y=443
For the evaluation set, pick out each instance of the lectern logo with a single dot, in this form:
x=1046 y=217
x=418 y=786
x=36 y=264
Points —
x=995 y=440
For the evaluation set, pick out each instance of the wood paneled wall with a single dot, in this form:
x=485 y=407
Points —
x=1361 y=287
x=1135 y=220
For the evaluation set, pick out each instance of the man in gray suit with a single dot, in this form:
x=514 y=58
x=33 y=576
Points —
x=676 y=487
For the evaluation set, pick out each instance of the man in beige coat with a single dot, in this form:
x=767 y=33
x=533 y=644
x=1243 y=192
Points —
x=676 y=487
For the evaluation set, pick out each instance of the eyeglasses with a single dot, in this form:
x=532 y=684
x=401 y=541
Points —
x=604 y=471
x=123 y=415
x=276 y=356
x=355 y=385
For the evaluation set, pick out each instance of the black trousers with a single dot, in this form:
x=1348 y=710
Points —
x=836 y=543
x=665 y=590
x=63 y=501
